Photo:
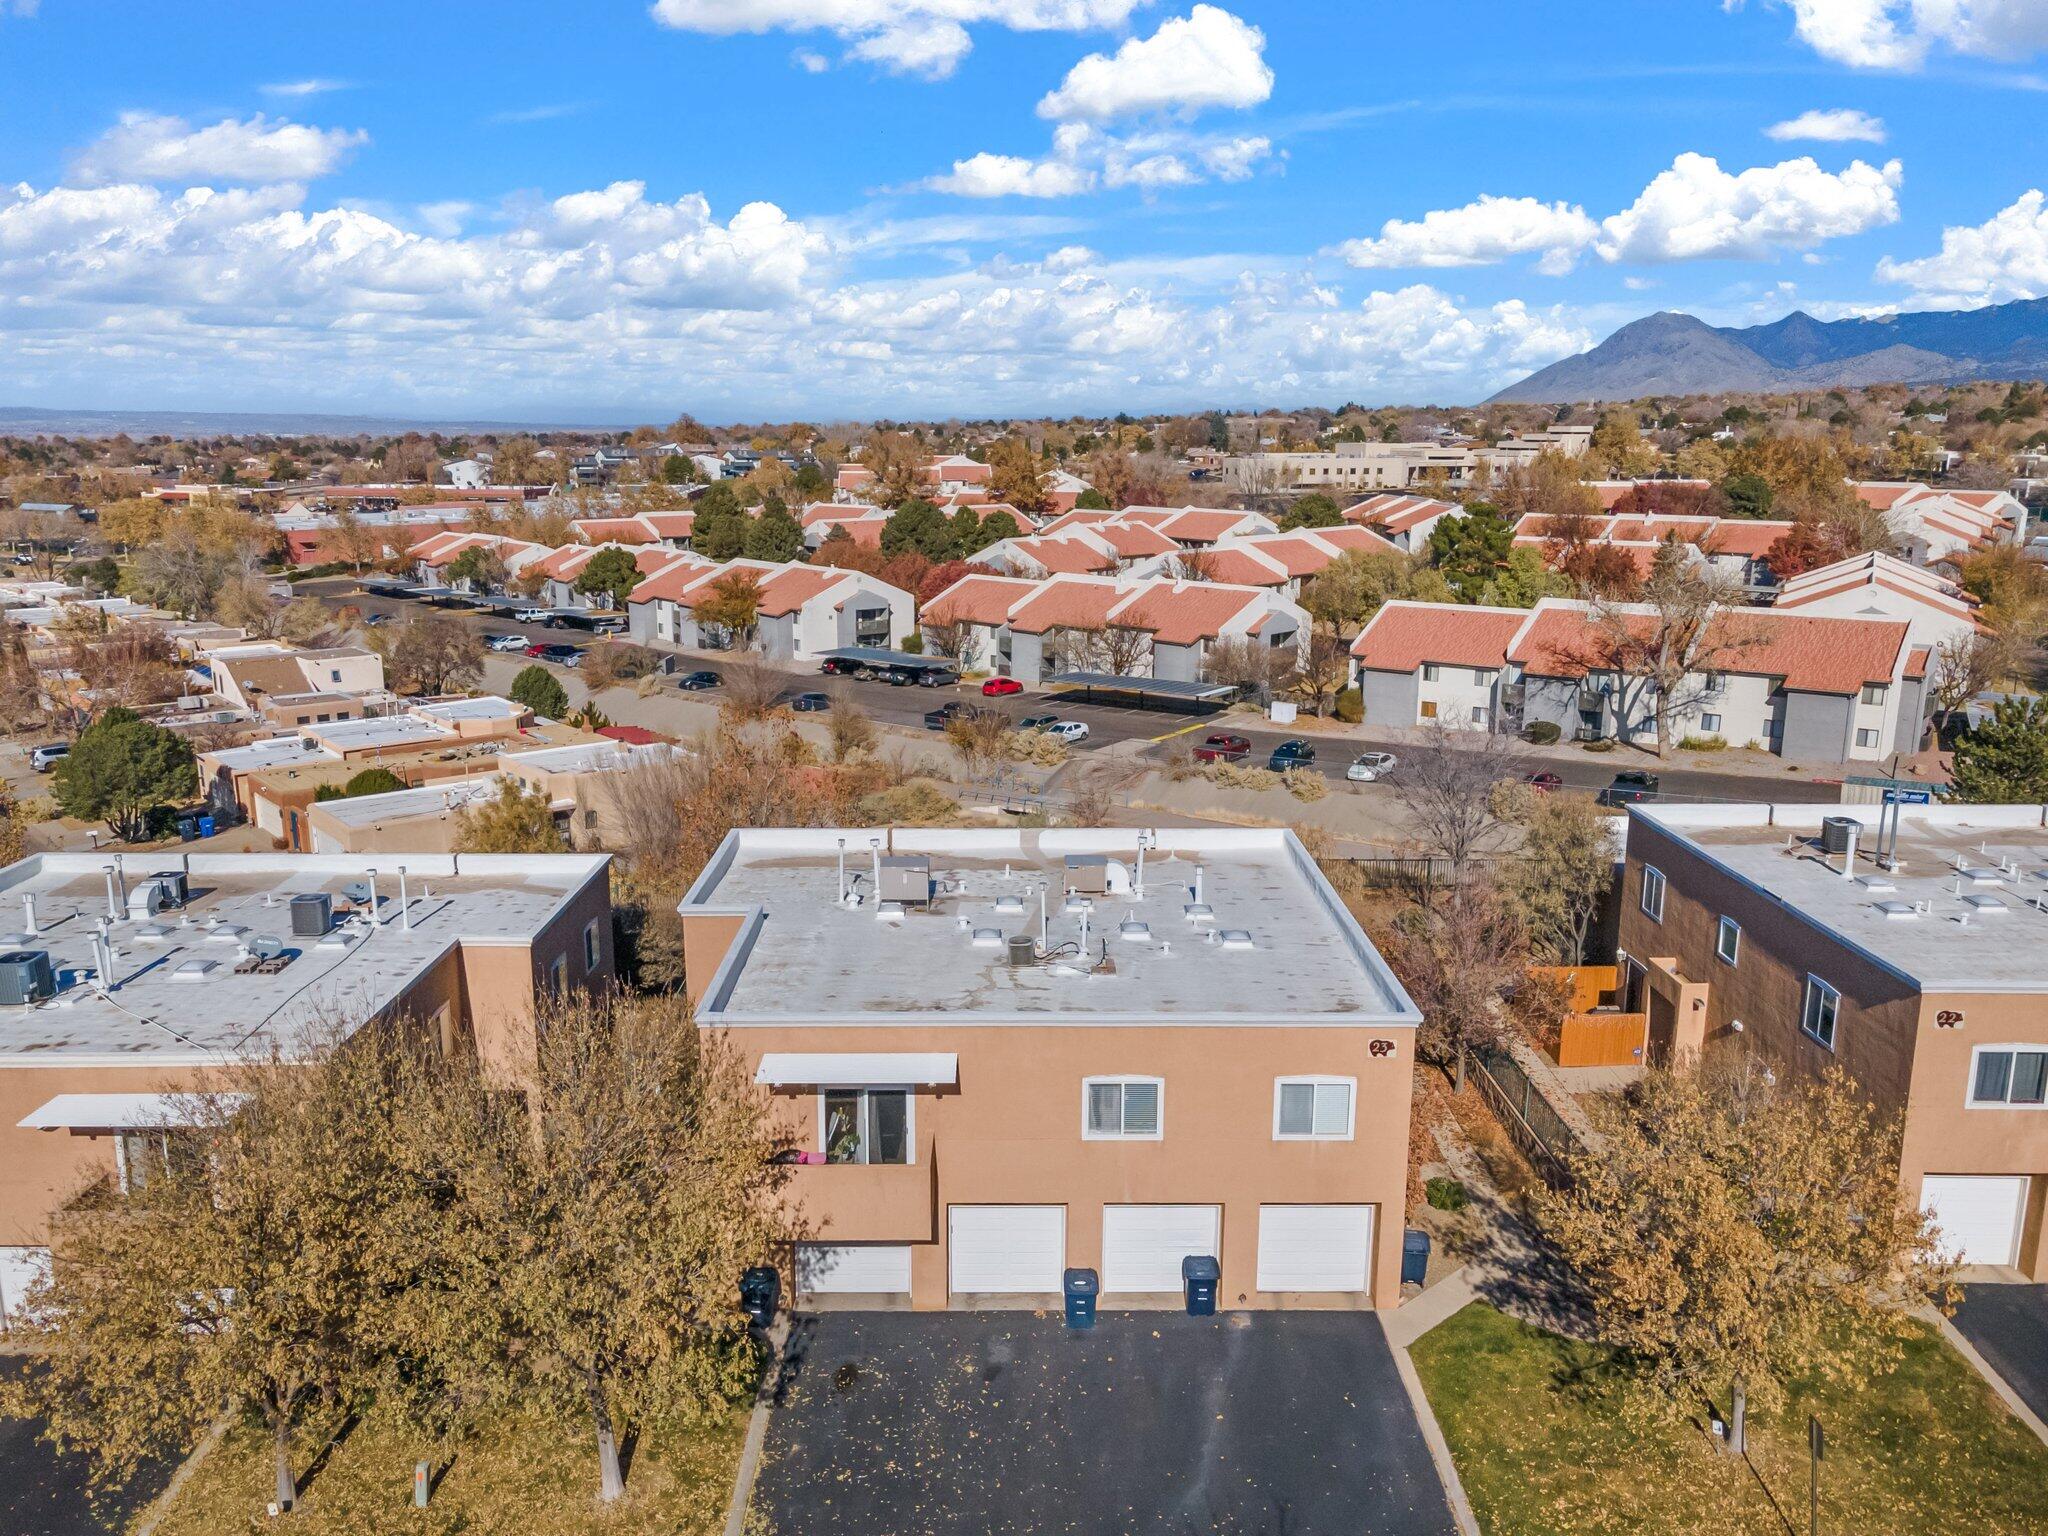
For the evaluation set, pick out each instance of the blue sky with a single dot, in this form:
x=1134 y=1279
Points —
x=755 y=209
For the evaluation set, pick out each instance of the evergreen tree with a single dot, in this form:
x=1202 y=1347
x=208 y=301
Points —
x=538 y=689
x=2004 y=760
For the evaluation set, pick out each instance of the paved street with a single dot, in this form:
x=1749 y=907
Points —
x=44 y=1494
x=2009 y=1326
x=1108 y=724
x=1003 y=1423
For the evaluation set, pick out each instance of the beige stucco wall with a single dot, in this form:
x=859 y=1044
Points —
x=1010 y=1133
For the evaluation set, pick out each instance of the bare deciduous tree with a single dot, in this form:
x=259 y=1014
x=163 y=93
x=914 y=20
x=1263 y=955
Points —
x=1448 y=785
x=955 y=640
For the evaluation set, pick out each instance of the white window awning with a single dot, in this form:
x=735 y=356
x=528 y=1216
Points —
x=112 y=1112
x=809 y=1069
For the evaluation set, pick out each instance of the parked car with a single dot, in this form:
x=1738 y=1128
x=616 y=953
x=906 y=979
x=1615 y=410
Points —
x=44 y=758
x=1370 y=767
x=1068 y=730
x=531 y=615
x=810 y=703
x=1291 y=754
x=925 y=678
x=938 y=719
x=1631 y=786
x=1543 y=783
x=1037 y=722
x=692 y=682
x=611 y=626
x=536 y=649
x=997 y=687
x=505 y=642
x=562 y=655
x=1223 y=748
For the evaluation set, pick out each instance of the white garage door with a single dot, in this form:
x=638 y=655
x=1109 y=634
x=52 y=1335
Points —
x=1979 y=1217
x=19 y=1268
x=996 y=1249
x=1314 y=1247
x=831 y=1269
x=1142 y=1245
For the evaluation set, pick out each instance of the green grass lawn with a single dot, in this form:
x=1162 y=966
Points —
x=525 y=1479
x=1543 y=1446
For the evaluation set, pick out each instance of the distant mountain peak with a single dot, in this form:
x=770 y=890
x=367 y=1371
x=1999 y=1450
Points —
x=1674 y=353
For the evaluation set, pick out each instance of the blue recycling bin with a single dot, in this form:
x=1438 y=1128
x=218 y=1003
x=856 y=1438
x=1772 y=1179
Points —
x=1414 y=1257
x=1199 y=1276
x=206 y=826
x=1081 y=1287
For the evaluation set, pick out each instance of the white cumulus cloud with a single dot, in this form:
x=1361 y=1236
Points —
x=920 y=37
x=1843 y=125
x=987 y=175
x=1208 y=58
x=301 y=88
x=2004 y=258
x=1489 y=230
x=146 y=147
x=1697 y=211
x=1900 y=34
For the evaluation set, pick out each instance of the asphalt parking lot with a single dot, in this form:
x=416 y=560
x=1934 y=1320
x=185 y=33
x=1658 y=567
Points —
x=970 y=1423
x=2009 y=1326
x=45 y=1494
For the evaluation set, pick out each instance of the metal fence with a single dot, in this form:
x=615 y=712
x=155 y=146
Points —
x=1542 y=1134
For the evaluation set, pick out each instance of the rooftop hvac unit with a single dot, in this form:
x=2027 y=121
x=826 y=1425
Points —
x=1088 y=873
x=146 y=898
x=312 y=914
x=907 y=877
x=177 y=890
x=1838 y=833
x=25 y=977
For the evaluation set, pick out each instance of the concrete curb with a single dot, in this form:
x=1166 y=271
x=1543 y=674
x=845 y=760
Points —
x=757 y=1434
x=1433 y=1437
x=160 y=1506
x=1983 y=1367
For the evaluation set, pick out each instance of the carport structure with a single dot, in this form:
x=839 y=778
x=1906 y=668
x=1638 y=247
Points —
x=874 y=658
x=1144 y=692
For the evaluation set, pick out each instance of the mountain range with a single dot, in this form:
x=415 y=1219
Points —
x=1679 y=354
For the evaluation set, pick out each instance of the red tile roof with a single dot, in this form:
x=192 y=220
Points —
x=1072 y=557
x=978 y=600
x=1403 y=635
x=1813 y=655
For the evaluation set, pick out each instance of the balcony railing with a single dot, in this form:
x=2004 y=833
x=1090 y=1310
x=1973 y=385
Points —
x=866 y=1202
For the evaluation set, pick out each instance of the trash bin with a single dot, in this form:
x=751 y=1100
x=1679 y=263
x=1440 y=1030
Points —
x=1199 y=1274
x=760 y=1287
x=1081 y=1286
x=1414 y=1257
x=206 y=826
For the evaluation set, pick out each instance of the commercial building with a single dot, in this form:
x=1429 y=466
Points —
x=1001 y=1054
x=135 y=977
x=1912 y=956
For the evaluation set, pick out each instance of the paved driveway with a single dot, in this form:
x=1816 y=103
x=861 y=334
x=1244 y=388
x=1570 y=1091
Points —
x=965 y=1423
x=44 y=1494
x=2009 y=1326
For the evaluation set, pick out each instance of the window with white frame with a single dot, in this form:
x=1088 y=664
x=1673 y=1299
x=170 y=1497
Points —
x=1121 y=1108
x=1710 y=723
x=1313 y=1108
x=864 y=1125
x=592 y=947
x=1873 y=693
x=1866 y=738
x=1653 y=893
x=1429 y=671
x=2009 y=1076
x=1817 y=1015
x=1728 y=940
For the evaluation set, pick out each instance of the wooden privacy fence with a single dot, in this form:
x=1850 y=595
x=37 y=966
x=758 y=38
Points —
x=1595 y=1033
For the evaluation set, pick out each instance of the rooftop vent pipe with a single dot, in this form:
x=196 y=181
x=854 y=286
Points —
x=28 y=910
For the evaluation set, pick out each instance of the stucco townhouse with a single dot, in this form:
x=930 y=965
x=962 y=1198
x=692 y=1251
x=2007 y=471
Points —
x=996 y=1055
x=802 y=610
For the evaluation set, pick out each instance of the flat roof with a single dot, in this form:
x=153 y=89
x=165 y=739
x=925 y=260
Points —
x=1964 y=910
x=803 y=956
x=1157 y=687
x=420 y=800
x=379 y=731
x=178 y=999
x=877 y=656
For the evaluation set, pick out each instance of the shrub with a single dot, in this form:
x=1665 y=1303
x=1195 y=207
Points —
x=1445 y=1195
x=1305 y=785
x=1350 y=706
x=913 y=643
x=1036 y=748
x=1542 y=733
x=918 y=803
x=537 y=689
x=1702 y=744
x=1603 y=745
x=1244 y=776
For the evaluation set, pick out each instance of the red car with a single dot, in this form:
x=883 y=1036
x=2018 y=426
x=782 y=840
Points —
x=1544 y=783
x=536 y=648
x=996 y=687
x=1223 y=748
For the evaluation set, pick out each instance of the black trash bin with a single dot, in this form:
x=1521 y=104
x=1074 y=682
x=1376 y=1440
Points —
x=760 y=1288
x=1199 y=1276
x=1081 y=1287
x=1414 y=1257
